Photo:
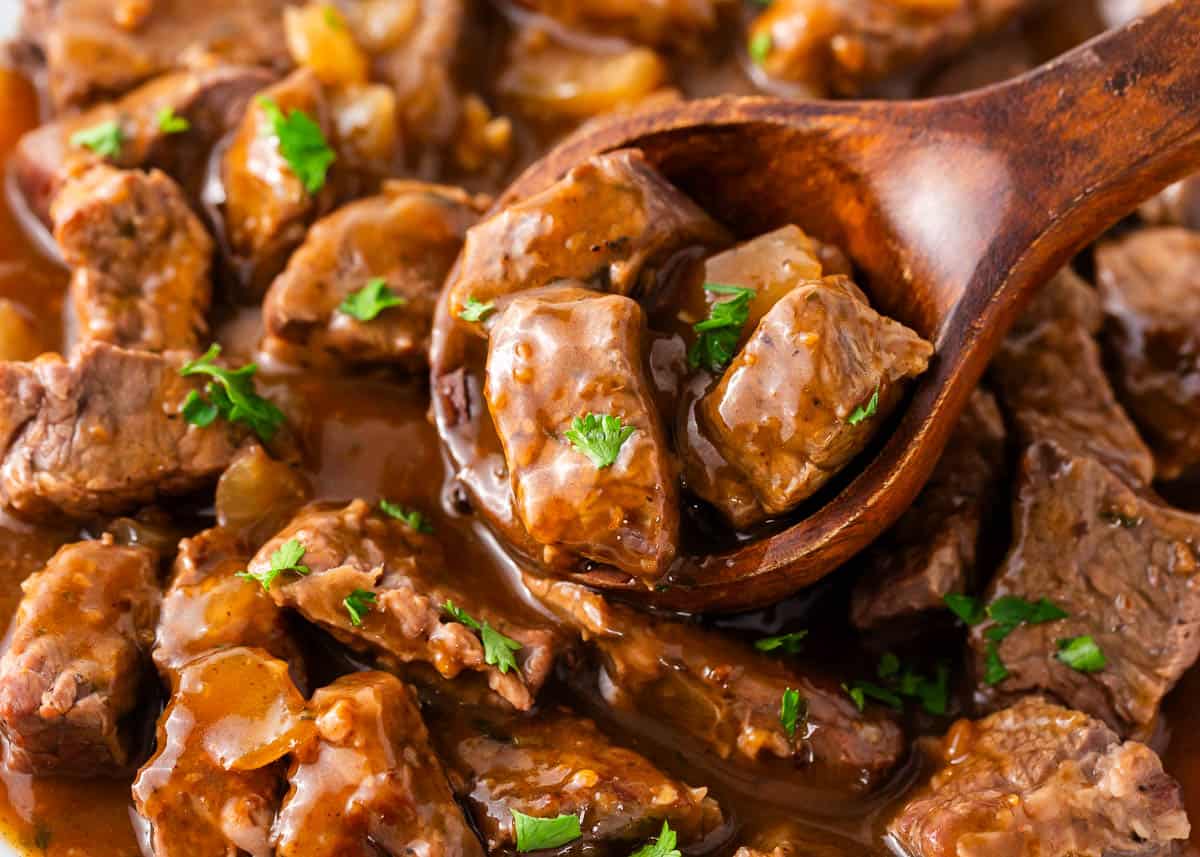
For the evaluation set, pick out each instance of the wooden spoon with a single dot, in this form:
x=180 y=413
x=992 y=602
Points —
x=955 y=210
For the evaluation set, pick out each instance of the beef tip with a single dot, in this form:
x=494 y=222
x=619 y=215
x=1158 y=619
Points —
x=102 y=433
x=557 y=763
x=370 y=784
x=93 y=52
x=409 y=237
x=211 y=100
x=662 y=23
x=1150 y=287
x=353 y=548
x=931 y=552
x=1122 y=567
x=76 y=658
x=812 y=386
x=207 y=608
x=266 y=208
x=1037 y=779
x=733 y=694
x=1049 y=375
x=613 y=222
x=141 y=260
x=215 y=782
x=845 y=47
x=562 y=354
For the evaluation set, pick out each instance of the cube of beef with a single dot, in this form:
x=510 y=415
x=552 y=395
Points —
x=102 y=433
x=734 y=695
x=562 y=354
x=1122 y=567
x=215 y=782
x=662 y=23
x=932 y=550
x=1037 y=779
x=613 y=223
x=812 y=386
x=77 y=656
x=1150 y=287
x=557 y=763
x=141 y=260
x=357 y=549
x=1049 y=375
x=408 y=237
x=369 y=783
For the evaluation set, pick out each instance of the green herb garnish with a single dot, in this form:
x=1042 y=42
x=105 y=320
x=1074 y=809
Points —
x=994 y=669
x=301 y=142
x=104 y=138
x=170 y=122
x=719 y=333
x=788 y=643
x=1082 y=654
x=791 y=712
x=498 y=649
x=475 y=310
x=372 y=299
x=861 y=691
x=538 y=834
x=415 y=519
x=286 y=558
x=864 y=412
x=969 y=609
x=599 y=437
x=358 y=603
x=760 y=47
x=663 y=846
x=231 y=395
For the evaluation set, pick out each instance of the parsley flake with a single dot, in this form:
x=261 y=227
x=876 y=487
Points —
x=358 y=603
x=788 y=643
x=498 y=649
x=599 y=437
x=286 y=558
x=476 y=310
x=1014 y=610
x=663 y=846
x=231 y=395
x=994 y=670
x=415 y=519
x=1082 y=654
x=301 y=142
x=170 y=122
x=760 y=47
x=793 y=710
x=861 y=691
x=969 y=609
x=538 y=834
x=719 y=333
x=864 y=412
x=372 y=299
x=104 y=138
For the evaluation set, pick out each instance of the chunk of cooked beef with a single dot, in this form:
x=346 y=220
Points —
x=215 y=781
x=562 y=354
x=812 y=386
x=408 y=237
x=370 y=784
x=207 y=608
x=1048 y=374
x=1150 y=287
x=93 y=50
x=845 y=47
x=664 y=23
x=210 y=100
x=141 y=259
x=1037 y=779
x=727 y=697
x=613 y=222
x=932 y=550
x=1124 y=569
x=557 y=763
x=266 y=207
x=102 y=433
x=355 y=547
x=76 y=657
x=790 y=839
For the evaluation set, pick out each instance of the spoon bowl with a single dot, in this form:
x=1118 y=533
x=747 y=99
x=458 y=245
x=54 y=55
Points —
x=954 y=210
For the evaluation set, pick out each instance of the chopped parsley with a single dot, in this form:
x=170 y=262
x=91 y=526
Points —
x=476 y=310
x=170 y=122
x=358 y=603
x=969 y=609
x=333 y=18
x=286 y=558
x=861 y=691
x=788 y=643
x=231 y=395
x=498 y=649
x=372 y=299
x=415 y=519
x=1012 y=610
x=599 y=437
x=1008 y=612
x=538 y=834
x=901 y=682
x=760 y=47
x=104 y=138
x=793 y=710
x=719 y=333
x=864 y=412
x=994 y=670
x=663 y=846
x=1082 y=654
x=301 y=142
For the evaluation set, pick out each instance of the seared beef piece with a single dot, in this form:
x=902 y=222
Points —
x=1049 y=376
x=211 y=100
x=613 y=222
x=357 y=548
x=663 y=23
x=214 y=784
x=843 y=47
x=725 y=696
x=141 y=257
x=1150 y=287
x=558 y=763
x=370 y=784
x=562 y=353
x=76 y=658
x=265 y=206
x=1125 y=570
x=932 y=550
x=1178 y=205
x=102 y=433
x=207 y=608
x=816 y=380
x=1037 y=779
x=94 y=51
x=408 y=236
